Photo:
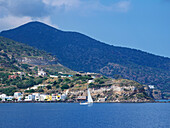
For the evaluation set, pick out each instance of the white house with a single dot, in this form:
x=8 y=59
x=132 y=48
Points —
x=29 y=98
x=36 y=86
x=9 y=98
x=17 y=95
x=3 y=97
x=101 y=100
x=53 y=76
x=63 y=96
x=41 y=73
x=36 y=96
x=90 y=81
x=54 y=97
x=42 y=97
x=151 y=86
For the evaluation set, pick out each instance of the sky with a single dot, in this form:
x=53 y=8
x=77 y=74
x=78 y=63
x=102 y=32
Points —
x=139 y=24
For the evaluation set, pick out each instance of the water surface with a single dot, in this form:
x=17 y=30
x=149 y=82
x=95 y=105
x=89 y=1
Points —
x=65 y=115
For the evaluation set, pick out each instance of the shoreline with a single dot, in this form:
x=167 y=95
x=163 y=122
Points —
x=3 y=102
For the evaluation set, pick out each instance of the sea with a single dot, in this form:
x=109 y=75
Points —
x=73 y=115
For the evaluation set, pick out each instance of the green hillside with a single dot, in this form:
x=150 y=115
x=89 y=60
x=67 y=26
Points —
x=19 y=64
x=82 y=53
x=16 y=58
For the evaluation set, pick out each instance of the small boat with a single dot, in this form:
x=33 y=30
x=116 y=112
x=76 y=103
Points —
x=89 y=99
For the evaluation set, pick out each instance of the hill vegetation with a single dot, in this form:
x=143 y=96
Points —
x=19 y=66
x=19 y=72
x=15 y=56
x=82 y=53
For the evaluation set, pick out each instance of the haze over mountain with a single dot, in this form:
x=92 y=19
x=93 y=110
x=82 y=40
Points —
x=82 y=53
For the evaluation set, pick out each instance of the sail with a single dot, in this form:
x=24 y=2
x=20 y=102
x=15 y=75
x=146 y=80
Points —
x=90 y=100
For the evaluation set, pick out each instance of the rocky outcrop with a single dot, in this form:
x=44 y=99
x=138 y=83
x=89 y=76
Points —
x=37 y=60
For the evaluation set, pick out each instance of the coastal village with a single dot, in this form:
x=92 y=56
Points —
x=18 y=96
x=30 y=75
x=107 y=89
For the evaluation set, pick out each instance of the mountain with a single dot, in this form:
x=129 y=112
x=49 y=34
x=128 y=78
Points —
x=82 y=53
x=18 y=69
x=15 y=56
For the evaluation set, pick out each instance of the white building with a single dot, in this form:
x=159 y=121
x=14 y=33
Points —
x=63 y=96
x=9 y=98
x=3 y=97
x=29 y=98
x=33 y=97
x=53 y=76
x=42 y=97
x=151 y=86
x=17 y=95
x=41 y=73
x=101 y=100
x=36 y=86
x=36 y=96
x=90 y=81
x=54 y=97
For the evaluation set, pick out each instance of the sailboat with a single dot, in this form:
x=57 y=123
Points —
x=89 y=99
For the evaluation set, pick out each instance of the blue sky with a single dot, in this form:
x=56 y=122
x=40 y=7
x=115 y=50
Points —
x=139 y=24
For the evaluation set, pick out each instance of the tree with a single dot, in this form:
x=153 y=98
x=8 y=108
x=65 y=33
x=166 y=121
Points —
x=72 y=85
x=48 y=87
x=39 y=81
x=30 y=83
x=30 y=91
x=54 y=83
x=8 y=91
x=65 y=86
x=91 y=85
x=57 y=86
x=66 y=80
x=40 y=90
x=36 y=68
x=25 y=66
x=20 y=85
x=60 y=80
x=101 y=82
x=77 y=75
x=23 y=77
x=23 y=98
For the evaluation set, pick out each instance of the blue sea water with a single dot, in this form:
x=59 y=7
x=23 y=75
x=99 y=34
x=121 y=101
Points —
x=72 y=115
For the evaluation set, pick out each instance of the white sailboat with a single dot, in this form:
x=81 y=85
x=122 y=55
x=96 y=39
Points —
x=89 y=99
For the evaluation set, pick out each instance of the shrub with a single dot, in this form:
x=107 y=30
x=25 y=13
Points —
x=65 y=86
x=48 y=86
x=8 y=91
x=57 y=86
x=101 y=82
x=67 y=80
x=30 y=91
x=40 y=90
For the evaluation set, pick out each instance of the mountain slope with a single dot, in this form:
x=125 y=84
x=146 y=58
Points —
x=16 y=56
x=82 y=53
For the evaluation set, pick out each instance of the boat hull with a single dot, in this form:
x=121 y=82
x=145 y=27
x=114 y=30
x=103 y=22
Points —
x=86 y=103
